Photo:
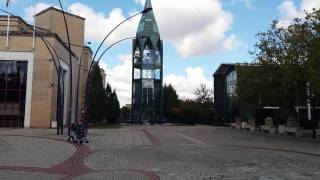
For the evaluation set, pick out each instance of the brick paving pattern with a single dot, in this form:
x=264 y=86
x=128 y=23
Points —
x=158 y=152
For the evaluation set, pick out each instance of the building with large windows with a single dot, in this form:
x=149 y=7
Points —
x=225 y=81
x=147 y=71
x=29 y=77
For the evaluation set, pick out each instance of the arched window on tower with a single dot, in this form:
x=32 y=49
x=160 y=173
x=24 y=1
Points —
x=147 y=58
x=137 y=56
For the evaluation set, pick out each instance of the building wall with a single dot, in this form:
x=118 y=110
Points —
x=44 y=81
x=219 y=97
x=16 y=23
x=53 y=20
x=43 y=97
x=86 y=62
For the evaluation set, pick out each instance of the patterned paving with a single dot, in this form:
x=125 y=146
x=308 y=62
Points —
x=160 y=152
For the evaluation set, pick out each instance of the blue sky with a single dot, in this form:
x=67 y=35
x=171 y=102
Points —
x=222 y=31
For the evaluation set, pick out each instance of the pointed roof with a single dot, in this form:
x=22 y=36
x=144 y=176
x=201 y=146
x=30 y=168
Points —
x=148 y=25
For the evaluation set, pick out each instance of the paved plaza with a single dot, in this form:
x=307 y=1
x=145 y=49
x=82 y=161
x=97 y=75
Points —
x=157 y=152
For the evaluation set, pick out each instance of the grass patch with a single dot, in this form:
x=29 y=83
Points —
x=107 y=126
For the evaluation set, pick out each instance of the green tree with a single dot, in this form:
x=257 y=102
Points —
x=112 y=108
x=294 y=50
x=115 y=107
x=97 y=97
x=170 y=99
x=108 y=107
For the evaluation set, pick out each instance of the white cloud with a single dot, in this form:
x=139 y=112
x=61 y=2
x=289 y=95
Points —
x=99 y=24
x=247 y=3
x=32 y=10
x=193 y=28
x=289 y=10
x=120 y=79
x=186 y=85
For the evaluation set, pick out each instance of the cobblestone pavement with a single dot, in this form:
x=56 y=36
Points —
x=158 y=152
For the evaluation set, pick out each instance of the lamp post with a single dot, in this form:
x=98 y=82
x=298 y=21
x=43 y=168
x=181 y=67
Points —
x=100 y=45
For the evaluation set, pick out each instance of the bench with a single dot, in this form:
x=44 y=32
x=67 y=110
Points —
x=296 y=131
x=268 y=129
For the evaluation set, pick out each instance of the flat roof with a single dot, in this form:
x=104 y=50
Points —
x=223 y=68
x=59 y=10
x=26 y=33
x=18 y=17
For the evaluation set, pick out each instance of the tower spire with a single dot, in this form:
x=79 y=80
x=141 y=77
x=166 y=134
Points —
x=148 y=26
x=148 y=4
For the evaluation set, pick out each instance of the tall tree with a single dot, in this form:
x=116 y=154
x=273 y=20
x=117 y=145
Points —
x=170 y=99
x=112 y=109
x=97 y=97
x=108 y=108
x=291 y=49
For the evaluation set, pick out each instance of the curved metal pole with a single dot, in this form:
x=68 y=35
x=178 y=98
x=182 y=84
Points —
x=105 y=38
x=60 y=102
x=70 y=64
x=91 y=65
x=116 y=44
x=86 y=99
x=79 y=72
x=47 y=44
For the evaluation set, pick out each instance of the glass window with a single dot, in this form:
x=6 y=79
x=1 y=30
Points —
x=147 y=58
x=137 y=73
x=141 y=27
x=2 y=82
x=147 y=74
x=137 y=58
x=231 y=82
x=157 y=74
x=2 y=95
x=13 y=80
x=158 y=58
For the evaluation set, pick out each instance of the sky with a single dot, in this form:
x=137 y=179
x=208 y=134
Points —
x=198 y=35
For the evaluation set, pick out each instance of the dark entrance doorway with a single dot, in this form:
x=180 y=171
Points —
x=13 y=84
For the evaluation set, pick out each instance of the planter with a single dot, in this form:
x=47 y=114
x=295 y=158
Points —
x=54 y=124
x=281 y=129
